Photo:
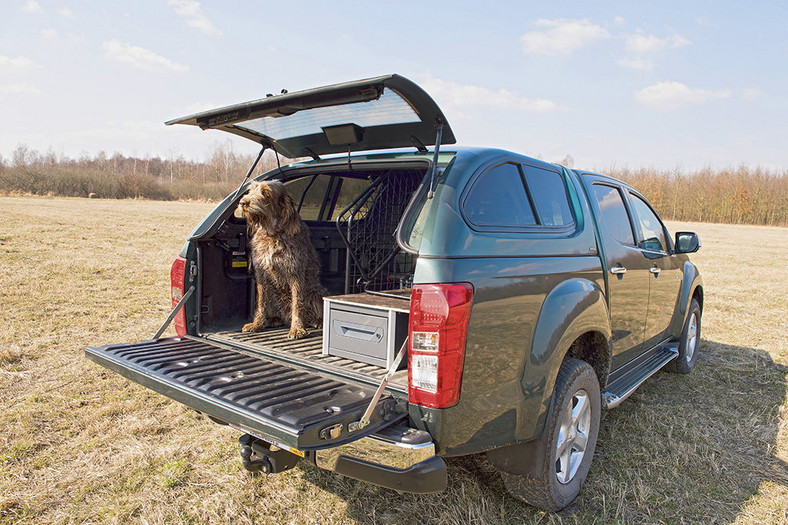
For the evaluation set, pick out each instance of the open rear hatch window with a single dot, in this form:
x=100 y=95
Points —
x=291 y=407
x=375 y=113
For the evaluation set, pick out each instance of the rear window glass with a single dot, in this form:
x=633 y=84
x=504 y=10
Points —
x=389 y=109
x=549 y=194
x=498 y=199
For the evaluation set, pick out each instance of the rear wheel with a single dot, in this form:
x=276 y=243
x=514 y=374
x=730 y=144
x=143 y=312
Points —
x=558 y=463
x=689 y=342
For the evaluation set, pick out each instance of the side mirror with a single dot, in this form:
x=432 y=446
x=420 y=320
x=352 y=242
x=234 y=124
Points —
x=687 y=242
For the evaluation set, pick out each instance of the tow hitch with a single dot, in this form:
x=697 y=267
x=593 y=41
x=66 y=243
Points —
x=257 y=456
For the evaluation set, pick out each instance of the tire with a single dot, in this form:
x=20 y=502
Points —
x=557 y=464
x=689 y=343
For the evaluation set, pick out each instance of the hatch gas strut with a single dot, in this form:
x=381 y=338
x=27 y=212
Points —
x=249 y=173
x=434 y=167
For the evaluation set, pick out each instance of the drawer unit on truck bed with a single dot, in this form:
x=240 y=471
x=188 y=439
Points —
x=364 y=327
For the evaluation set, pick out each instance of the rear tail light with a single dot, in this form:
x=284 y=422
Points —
x=177 y=280
x=439 y=315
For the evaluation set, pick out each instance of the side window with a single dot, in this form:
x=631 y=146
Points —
x=309 y=194
x=549 y=194
x=614 y=213
x=651 y=227
x=498 y=199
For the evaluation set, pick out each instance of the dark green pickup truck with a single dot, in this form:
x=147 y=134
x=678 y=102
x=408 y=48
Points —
x=478 y=300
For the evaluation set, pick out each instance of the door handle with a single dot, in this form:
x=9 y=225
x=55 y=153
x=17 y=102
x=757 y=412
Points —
x=655 y=270
x=618 y=270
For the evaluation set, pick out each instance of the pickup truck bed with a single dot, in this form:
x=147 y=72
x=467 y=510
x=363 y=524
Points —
x=308 y=353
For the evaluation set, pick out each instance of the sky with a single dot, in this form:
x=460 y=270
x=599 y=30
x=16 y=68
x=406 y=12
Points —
x=669 y=85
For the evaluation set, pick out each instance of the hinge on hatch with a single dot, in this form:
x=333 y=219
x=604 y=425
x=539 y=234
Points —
x=192 y=271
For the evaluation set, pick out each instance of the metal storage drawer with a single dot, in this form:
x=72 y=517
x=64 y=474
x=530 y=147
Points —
x=370 y=333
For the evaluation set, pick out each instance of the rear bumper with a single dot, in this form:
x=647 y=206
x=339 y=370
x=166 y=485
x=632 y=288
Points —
x=398 y=458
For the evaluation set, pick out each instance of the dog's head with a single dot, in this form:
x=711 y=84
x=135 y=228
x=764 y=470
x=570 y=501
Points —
x=268 y=206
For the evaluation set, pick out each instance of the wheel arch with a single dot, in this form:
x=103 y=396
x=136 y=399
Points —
x=573 y=321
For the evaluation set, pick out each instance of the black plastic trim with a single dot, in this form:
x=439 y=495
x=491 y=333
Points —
x=422 y=478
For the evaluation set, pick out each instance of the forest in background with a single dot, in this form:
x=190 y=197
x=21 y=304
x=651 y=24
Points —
x=738 y=195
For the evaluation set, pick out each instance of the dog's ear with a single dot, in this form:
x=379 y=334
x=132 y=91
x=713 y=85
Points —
x=254 y=186
x=289 y=220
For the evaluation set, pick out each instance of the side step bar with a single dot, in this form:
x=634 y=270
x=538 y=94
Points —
x=622 y=387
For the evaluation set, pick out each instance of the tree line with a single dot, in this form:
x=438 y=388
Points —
x=741 y=195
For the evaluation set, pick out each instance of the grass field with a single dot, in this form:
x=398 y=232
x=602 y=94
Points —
x=81 y=444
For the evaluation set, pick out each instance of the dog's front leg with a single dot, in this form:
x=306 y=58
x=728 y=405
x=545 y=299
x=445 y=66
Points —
x=265 y=313
x=258 y=321
x=297 y=330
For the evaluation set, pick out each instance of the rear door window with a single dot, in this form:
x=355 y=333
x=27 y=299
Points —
x=614 y=213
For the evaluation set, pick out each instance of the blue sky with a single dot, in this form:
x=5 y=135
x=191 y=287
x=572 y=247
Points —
x=671 y=85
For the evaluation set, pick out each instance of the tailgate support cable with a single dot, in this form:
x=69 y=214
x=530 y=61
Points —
x=364 y=421
x=174 y=312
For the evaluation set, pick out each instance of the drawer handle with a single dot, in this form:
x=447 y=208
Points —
x=357 y=331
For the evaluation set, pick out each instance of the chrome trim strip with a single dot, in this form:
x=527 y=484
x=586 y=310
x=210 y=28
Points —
x=379 y=450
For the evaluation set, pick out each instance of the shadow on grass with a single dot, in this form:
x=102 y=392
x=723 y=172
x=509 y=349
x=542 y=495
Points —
x=694 y=448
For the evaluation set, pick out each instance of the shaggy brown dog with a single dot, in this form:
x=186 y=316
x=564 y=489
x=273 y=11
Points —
x=284 y=261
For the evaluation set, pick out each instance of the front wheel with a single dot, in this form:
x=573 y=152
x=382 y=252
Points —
x=689 y=342
x=562 y=458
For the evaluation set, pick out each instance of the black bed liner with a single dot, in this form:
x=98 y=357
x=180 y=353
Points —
x=308 y=353
x=281 y=402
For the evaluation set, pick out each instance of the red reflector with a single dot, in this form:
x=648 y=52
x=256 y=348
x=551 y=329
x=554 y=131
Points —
x=438 y=325
x=177 y=280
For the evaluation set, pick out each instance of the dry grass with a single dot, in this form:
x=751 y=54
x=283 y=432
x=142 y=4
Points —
x=81 y=444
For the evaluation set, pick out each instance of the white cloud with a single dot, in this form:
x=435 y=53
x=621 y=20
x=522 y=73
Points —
x=65 y=11
x=637 y=63
x=74 y=38
x=18 y=62
x=751 y=94
x=619 y=21
x=19 y=89
x=463 y=95
x=49 y=34
x=640 y=43
x=140 y=57
x=561 y=36
x=675 y=95
x=31 y=6
x=192 y=12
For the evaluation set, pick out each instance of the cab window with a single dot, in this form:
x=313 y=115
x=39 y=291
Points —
x=651 y=229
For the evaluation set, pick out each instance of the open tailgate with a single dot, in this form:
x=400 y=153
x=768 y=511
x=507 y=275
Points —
x=286 y=405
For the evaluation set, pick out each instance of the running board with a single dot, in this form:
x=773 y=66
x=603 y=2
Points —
x=622 y=388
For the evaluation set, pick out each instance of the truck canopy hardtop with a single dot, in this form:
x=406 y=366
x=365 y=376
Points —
x=375 y=113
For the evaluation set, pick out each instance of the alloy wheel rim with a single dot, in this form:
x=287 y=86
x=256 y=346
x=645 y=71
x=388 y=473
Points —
x=692 y=339
x=573 y=437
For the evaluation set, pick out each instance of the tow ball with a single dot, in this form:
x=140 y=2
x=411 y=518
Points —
x=257 y=456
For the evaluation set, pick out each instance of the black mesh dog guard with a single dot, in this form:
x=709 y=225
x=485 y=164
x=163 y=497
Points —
x=366 y=226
